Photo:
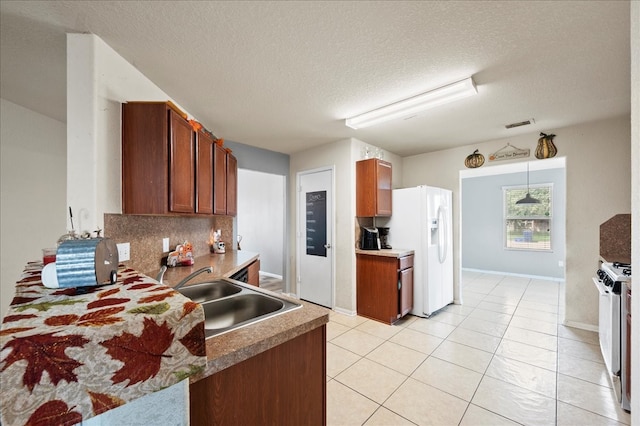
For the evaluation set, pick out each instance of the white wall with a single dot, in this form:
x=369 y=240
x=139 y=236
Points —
x=598 y=159
x=342 y=155
x=260 y=219
x=33 y=190
x=98 y=81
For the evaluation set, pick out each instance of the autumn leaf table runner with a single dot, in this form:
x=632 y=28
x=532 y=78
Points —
x=73 y=353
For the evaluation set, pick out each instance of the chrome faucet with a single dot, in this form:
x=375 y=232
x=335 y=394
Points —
x=208 y=269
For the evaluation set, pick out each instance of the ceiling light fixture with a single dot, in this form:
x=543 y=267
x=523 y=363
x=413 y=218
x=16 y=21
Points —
x=442 y=95
x=528 y=199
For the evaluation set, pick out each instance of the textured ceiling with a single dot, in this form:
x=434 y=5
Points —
x=284 y=75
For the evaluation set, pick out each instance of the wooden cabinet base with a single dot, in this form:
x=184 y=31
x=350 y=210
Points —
x=285 y=385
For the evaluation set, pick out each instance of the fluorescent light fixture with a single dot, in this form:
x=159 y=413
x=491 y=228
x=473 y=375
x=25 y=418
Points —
x=442 y=95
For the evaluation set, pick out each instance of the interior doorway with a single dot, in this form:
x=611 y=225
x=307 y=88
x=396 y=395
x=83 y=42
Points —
x=261 y=223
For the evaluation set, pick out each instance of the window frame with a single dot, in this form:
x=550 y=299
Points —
x=506 y=217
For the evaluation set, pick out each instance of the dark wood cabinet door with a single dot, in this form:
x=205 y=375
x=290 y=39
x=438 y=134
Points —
x=232 y=185
x=285 y=385
x=219 y=180
x=383 y=196
x=405 y=278
x=181 y=165
x=373 y=188
x=204 y=173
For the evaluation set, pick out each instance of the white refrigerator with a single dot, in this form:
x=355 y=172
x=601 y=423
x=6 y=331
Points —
x=422 y=221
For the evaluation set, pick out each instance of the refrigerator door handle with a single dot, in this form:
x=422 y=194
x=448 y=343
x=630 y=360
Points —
x=442 y=236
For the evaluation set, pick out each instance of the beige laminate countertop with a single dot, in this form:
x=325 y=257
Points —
x=235 y=346
x=386 y=252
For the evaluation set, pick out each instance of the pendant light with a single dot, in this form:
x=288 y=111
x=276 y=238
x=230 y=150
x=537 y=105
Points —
x=528 y=199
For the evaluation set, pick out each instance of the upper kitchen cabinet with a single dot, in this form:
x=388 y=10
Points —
x=373 y=188
x=232 y=185
x=168 y=167
x=204 y=172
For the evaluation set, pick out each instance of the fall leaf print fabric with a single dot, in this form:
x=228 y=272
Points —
x=71 y=354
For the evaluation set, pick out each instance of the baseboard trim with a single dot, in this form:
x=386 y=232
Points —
x=512 y=274
x=581 y=325
x=345 y=311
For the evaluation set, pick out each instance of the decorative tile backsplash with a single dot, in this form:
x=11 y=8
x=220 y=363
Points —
x=615 y=239
x=145 y=234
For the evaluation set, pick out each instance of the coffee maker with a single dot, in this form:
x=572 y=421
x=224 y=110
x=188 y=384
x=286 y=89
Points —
x=384 y=238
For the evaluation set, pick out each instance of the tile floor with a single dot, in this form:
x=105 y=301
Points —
x=502 y=358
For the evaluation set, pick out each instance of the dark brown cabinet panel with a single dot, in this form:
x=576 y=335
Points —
x=254 y=273
x=181 y=165
x=285 y=385
x=204 y=173
x=373 y=188
x=384 y=287
x=232 y=185
x=219 y=180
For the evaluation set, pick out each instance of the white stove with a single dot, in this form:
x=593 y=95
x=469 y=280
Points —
x=609 y=281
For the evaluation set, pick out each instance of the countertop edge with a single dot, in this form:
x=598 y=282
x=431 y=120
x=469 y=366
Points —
x=386 y=252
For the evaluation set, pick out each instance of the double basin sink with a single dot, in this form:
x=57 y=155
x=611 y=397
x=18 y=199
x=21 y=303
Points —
x=230 y=305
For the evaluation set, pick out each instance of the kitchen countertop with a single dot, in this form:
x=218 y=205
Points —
x=386 y=252
x=225 y=350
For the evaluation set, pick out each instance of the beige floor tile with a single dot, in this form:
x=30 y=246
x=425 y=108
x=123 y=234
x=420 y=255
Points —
x=358 y=342
x=416 y=340
x=471 y=300
x=487 y=327
x=348 y=320
x=579 y=349
x=536 y=315
x=346 y=406
x=515 y=403
x=447 y=317
x=528 y=354
x=435 y=328
x=526 y=376
x=535 y=325
x=334 y=329
x=397 y=357
x=491 y=316
x=458 y=309
x=448 y=377
x=502 y=308
x=590 y=371
x=405 y=321
x=478 y=416
x=378 y=329
x=386 y=417
x=425 y=405
x=585 y=336
x=533 y=338
x=568 y=415
x=339 y=359
x=371 y=379
x=591 y=397
x=508 y=301
x=541 y=307
x=474 y=339
x=464 y=356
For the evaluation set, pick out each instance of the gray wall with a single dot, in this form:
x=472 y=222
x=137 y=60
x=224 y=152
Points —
x=258 y=159
x=483 y=226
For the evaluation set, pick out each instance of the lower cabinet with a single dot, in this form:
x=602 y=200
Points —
x=384 y=289
x=254 y=273
x=285 y=385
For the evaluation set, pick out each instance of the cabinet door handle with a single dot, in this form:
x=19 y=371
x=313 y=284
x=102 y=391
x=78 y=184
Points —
x=399 y=284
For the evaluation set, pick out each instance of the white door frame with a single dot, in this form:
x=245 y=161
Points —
x=332 y=218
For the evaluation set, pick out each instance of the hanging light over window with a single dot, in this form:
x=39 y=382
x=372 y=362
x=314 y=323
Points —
x=528 y=199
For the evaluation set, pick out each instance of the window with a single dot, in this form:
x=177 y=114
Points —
x=528 y=226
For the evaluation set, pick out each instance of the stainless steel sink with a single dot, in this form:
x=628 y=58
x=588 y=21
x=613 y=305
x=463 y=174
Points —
x=230 y=305
x=213 y=290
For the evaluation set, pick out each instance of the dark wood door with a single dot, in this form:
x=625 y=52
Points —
x=204 y=174
x=219 y=180
x=181 y=165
